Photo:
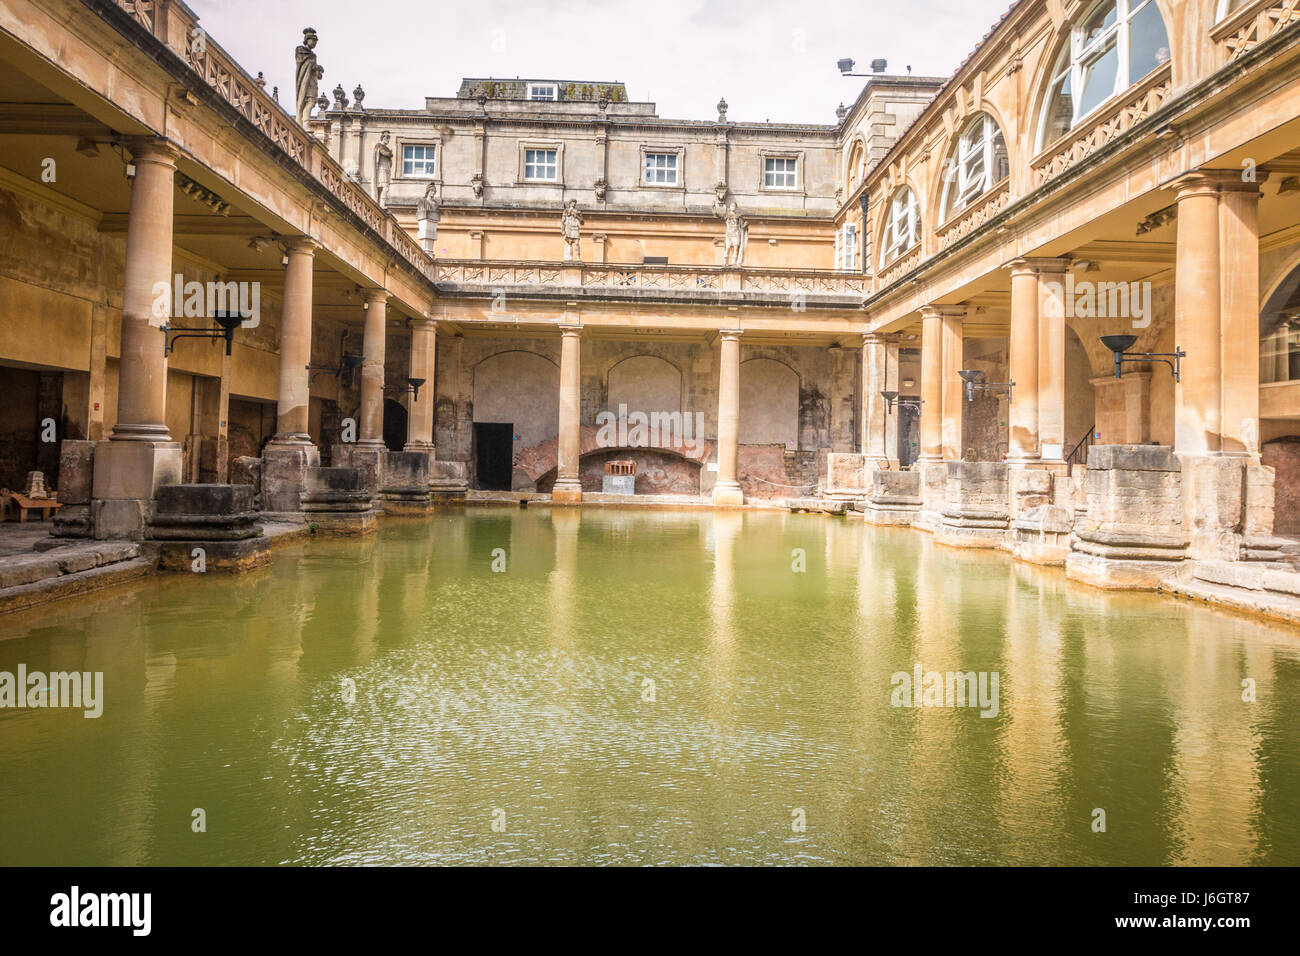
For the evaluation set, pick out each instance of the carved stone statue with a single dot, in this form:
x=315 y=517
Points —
x=426 y=211
x=571 y=227
x=383 y=166
x=35 y=487
x=733 y=253
x=308 y=75
x=427 y=208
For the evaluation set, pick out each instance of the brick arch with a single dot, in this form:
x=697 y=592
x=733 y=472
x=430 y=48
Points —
x=540 y=460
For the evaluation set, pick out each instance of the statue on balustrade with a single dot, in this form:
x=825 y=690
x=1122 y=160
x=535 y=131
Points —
x=571 y=227
x=733 y=253
x=308 y=74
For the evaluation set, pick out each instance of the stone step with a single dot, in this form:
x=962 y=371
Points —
x=20 y=569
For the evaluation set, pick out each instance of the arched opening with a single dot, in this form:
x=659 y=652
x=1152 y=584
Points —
x=977 y=163
x=902 y=225
x=769 y=404
x=1080 y=399
x=1279 y=399
x=1110 y=48
x=395 y=425
x=516 y=406
x=645 y=383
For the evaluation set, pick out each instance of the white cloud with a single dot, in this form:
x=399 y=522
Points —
x=771 y=60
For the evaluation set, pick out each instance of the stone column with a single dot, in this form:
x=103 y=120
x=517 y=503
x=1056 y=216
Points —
x=1197 y=312
x=1051 y=361
x=1024 y=349
x=290 y=455
x=954 y=389
x=879 y=422
x=293 y=407
x=931 y=384
x=141 y=457
x=142 y=370
x=1239 y=316
x=568 y=486
x=727 y=491
x=373 y=348
x=419 y=421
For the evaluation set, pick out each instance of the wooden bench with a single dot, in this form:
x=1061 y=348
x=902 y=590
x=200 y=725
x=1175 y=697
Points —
x=16 y=506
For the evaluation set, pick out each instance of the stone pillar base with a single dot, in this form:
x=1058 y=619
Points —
x=933 y=493
x=566 y=492
x=285 y=467
x=448 y=480
x=127 y=476
x=848 y=476
x=895 y=498
x=1132 y=535
x=728 y=495
x=218 y=521
x=76 y=487
x=335 y=501
x=1041 y=535
x=1111 y=572
x=368 y=459
x=976 y=513
x=406 y=491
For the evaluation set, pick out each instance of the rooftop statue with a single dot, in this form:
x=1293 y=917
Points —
x=308 y=75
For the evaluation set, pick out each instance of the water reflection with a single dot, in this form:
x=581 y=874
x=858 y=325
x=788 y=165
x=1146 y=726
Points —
x=769 y=641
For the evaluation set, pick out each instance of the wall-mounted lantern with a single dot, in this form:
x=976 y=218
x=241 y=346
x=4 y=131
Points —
x=348 y=365
x=1120 y=344
x=227 y=322
x=975 y=382
x=412 y=385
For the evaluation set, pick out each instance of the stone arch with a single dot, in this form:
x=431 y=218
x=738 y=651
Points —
x=769 y=403
x=854 y=154
x=949 y=152
x=520 y=387
x=924 y=228
x=1046 y=68
x=644 y=383
x=1080 y=394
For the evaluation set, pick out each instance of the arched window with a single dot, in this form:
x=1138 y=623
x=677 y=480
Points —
x=1229 y=6
x=977 y=164
x=1114 y=46
x=857 y=166
x=902 y=225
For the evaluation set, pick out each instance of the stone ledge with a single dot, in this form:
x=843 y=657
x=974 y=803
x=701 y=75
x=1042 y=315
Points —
x=41 y=592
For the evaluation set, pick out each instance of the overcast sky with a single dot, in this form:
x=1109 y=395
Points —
x=771 y=60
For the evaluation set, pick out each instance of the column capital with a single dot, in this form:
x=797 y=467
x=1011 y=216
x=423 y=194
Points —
x=299 y=245
x=571 y=331
x=732 y=335
x=879 y=338
x=376 y=296
x=1037 y=265
x=945 y=311
x=424 y=322
x=1205 y=182
x=151 y=149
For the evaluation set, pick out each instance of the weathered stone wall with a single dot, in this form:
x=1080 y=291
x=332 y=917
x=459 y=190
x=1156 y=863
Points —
x=1283 y=456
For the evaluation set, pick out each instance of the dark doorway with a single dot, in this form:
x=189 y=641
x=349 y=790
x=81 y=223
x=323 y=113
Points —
x=494 y=446
x=909 y=434
x=394 y=425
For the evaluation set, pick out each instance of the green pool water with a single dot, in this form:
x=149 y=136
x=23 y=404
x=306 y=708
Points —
x=647 y=687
